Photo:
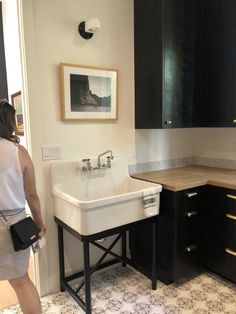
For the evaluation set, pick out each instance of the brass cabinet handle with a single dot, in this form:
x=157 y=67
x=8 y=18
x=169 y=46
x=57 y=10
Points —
x=168 y=122
x=190 y=214
x=231 y=252
x=233 y=197
x=191 y=194
x=234 y=120
x=230 y=216
x=190 y=248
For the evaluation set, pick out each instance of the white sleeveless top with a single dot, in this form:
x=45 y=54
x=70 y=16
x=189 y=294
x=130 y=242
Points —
x=12 y=195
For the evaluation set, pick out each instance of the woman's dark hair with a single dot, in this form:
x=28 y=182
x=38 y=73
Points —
x=8 y=122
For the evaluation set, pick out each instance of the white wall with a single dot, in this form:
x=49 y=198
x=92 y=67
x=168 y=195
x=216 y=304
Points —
x=12 y=48
x=216 y=143
x=51 y=37
x=152 y=145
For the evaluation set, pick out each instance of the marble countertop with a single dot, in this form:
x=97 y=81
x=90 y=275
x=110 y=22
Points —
x=181 y=178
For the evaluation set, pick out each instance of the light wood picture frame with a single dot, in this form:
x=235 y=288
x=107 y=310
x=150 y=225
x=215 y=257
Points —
x=88 y=93
x=16 y=101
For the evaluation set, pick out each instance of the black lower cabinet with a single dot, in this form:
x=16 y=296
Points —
x=220 y=232
x=178 y=237
x=196 y=229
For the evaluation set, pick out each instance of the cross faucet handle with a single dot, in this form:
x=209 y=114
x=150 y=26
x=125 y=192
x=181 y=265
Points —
x=88 y=164
x=109 y=161
x=85 y=159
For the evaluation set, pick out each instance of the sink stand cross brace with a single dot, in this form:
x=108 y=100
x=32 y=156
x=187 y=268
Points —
x=120 y=233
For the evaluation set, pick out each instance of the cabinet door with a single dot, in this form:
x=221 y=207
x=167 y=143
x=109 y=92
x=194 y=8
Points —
x=181 y=61
x=148 y=38
x=213 y=228
x=167 y=62
x=219 y=107
x=220 y=232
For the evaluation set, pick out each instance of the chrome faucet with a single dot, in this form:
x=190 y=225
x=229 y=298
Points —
x=87 y=166
x=108 y=165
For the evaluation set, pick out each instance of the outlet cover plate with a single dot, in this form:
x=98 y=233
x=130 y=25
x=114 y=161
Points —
x=51 y=152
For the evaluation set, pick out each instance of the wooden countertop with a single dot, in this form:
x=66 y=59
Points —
x=181 y=178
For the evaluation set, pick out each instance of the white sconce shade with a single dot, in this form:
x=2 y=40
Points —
x=89 y=27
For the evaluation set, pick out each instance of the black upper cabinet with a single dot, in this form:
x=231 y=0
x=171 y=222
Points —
x=167 y=62
x=148 y=32
x=219 y=107
x=182 y=61
x=185 y=68
x=3 y=75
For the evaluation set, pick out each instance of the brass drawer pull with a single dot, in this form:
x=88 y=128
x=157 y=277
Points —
x=191 y=194
x=231 y=216
x=233 y=197
x=231 y=252
x=191 y=214
x=190 y=248
x=168 y=122
x=234 y=120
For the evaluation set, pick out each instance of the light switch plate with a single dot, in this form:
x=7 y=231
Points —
x=51 y=152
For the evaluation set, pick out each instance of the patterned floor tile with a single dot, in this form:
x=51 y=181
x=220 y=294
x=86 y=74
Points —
x=126 y=291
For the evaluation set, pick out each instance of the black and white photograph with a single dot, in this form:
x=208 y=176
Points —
x=88 y=93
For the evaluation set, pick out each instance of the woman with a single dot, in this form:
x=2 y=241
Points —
x=17 y=185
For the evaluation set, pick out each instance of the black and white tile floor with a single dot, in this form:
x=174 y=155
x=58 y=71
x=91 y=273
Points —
x=125 y=291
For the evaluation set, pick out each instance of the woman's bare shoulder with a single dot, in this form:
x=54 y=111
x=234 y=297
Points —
x=23 y=153
x=22 y=149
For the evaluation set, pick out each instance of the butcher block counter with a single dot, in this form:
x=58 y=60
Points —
x=181 y=178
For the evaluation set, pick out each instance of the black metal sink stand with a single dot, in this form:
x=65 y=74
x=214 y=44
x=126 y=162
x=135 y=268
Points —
x=120 y=233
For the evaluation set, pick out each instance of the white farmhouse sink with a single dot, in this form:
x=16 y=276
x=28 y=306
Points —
x=97 y=200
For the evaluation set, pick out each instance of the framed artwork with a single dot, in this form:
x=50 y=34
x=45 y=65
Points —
x=16 y=101
x=88 y=93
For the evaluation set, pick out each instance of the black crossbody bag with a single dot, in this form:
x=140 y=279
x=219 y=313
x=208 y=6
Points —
x=23 y=233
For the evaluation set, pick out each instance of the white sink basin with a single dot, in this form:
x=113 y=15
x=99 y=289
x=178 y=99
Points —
x=97 y=200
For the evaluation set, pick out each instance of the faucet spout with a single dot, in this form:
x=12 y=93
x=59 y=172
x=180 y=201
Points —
x=102 y=154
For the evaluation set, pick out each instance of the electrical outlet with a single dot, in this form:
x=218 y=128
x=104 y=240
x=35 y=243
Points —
x=51 y=152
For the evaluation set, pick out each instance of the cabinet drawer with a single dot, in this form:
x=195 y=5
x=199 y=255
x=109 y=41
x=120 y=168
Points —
x=187 y=261
x=230 y=201
x=189 y=221
x=188 y=236
x=189 y=209
x=228 y=264
x=188 y=215
x=230 y=231
x=189 y=199
x=189 y=202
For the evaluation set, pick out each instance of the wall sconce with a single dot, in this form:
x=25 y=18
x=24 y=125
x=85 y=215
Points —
x=89 y=27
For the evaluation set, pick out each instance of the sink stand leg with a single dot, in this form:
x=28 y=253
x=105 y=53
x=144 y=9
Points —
x=61 y=256
x=154 y=280
x=87 y=278
x=124 y=248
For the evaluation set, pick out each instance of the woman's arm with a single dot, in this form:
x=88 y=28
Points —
x=30 y=187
